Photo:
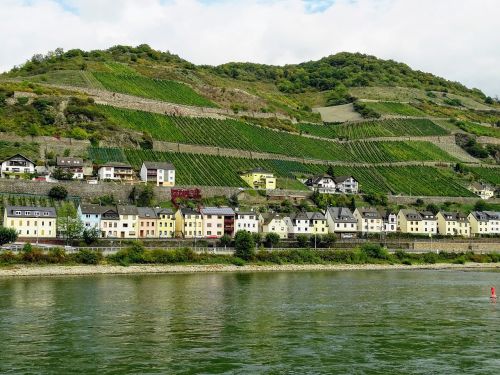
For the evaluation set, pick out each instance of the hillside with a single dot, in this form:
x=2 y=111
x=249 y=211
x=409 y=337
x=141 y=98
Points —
x=138 y=103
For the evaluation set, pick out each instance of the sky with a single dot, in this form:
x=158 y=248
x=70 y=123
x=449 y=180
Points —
x=455 y=39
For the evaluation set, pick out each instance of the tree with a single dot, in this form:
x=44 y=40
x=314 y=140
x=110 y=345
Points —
x=7 y=235
x=60 y=174
x=329 y=239
x=58 y=192
x=91 y=235
x=480 y=205
x=244 y=245
x=352 y=204
x=330 y=171
x=272 y=239
x=225 y=240
x=301 y=240
x=146 y=196
x=419 y=202
x=69 y=225
x=432 y=208
x=257 y=238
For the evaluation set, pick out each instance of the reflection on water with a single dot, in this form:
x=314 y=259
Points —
x=383 y=322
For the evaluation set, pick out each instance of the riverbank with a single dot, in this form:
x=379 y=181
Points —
x=79 y=270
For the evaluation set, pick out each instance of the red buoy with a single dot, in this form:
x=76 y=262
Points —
x=493 y=295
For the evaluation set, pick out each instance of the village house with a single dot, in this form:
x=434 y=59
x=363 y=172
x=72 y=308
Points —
x=166 y=222
x=453 y=224
x=485 y=191
x=428 y=224
x=323 y=184
x=368 y=220
x=109 y=222
x=409 y=221
x=127 y=225
x=248 y=221
x=73 y=166
x=484 y=223
x=217 y=221
x=17 y=167
x=258 y=178
x=160 y=173
x=188 y=223
x=273 y=223
x=147 y=222
x=341 y=220
x=317 y=222
x=31 y=222
x=389 y=221
x=116 y=171
x=346 y=184
x=90 y=215
x=298 y=223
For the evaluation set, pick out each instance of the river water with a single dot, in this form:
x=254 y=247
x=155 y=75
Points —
x=349 y=322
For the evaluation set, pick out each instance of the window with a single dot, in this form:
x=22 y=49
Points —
x=45 y=214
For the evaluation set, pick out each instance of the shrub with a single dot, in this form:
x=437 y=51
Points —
x=302 y=240
x=7 y=235
x=238 y=262
x=8 y=257
x=58 y=192
x=272 y=239
x=56 y=255
x=430 y=258
x=86 y=256
x=374 y=251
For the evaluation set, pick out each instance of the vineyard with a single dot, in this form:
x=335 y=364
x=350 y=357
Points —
x=211 y=170
x=241 y=135
x=491 y=175
x=29 y=150
x=477 y=129
x=169 y=91
x=394 y=108
x=378 y=128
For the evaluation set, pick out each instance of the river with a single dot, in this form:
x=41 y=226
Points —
x=347 y=322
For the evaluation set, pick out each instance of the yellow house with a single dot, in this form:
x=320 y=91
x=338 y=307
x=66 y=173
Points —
x=166 y=222
x=259 y=179
x=318 y=223
x=188 y=223
x=453 y=224
x=31 y=222
x=479 y=223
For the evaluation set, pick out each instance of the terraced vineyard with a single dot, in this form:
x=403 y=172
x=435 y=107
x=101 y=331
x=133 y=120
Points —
x=169 y=91
x=211 y=170
x=491 y=175
x=477 y=129
x=379 y=128
x=394 y=108
x=241 y=135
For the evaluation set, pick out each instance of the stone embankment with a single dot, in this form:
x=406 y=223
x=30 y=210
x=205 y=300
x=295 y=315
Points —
x=17 y=271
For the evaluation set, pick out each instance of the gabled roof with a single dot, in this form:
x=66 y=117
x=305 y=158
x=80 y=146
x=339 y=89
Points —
x=411 y=215
x=93 y=209
x=342 y=214
x=493 y=215
x=146 y=213
x=386 y=213
x=453 y=216
x=127 y=210
x=225 y=211
x=163 y=211
x=116 y=164
x=427 y=215
x=482 y=186
x=159 y=165
x=318 y=178
x=19 y=156
x=299 y=216
x=69 y=162
x=188 y=211
x=268 y=217
x=30 y=212
x=480 y=216
x=246 y=213
x=369 y=213
x=340 y=179
x=315 y=216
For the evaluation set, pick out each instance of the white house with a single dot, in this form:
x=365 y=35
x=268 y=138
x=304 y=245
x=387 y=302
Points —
x=323 y=184
x=341 y=220
x=116 y=171
x=17 y=166
x=484 y=223
x=346 y=184
x=248 y=221
x=389 y=221
x=428 y=224
x=493 y=222
x=161 y=173
x=298 y=223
